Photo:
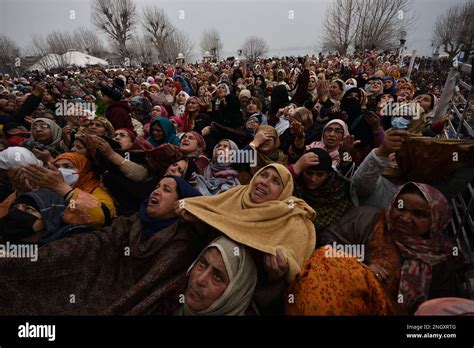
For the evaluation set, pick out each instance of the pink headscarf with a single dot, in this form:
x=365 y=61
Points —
x=335 y=156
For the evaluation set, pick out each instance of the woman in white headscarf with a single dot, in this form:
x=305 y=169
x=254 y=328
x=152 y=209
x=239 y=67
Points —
x=221 y=281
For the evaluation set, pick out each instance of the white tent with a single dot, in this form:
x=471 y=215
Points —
x=70 y=58
x=76 y=58
x=49 y=61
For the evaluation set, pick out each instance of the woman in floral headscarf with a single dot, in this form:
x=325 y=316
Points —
x=404 y=247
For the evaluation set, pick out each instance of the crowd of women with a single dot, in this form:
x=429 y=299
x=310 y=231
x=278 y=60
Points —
x=132 y=185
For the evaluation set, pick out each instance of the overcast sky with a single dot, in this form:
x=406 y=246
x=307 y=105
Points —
x=234 y=20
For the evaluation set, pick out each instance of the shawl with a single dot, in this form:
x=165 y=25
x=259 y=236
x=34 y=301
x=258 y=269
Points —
x=420 y=255
x=242 y=274
x=275 y=156
x=284 y=223
x=87 y=181
x=114 y=271
x=169 y=132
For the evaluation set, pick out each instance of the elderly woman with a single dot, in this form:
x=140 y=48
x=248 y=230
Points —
x=46 y=139
x=36 y=217
x=180 y=105
x=133 y=267
x=264 y=216
x=404 y=246
x=87 y=202
x=334 y=133
x=221 y=281
x=219 y=176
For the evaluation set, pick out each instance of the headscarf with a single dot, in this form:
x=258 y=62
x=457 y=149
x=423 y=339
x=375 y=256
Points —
x=188 y=122
x=169 y=132
x=393 y=89
x=17 y=156
x=141 y=107
x=275 y=156
x=151 y=225
x=201 y=146
x=330 y=199
x=242 y=274
x=336 y=158
x=218 y=177
x=179 y=121
x=109 y=128
x=227 y=91
x=87 y=181
x=284 y=223
x=421 y=255
x=279 y=99
x=342 y=86
x=230 y=114
x=51 y=206
x=56 y=131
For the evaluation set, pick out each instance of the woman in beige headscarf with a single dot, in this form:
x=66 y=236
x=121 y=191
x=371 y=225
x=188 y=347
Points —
x=267 y=144
x=221 y=281
x=262 y=215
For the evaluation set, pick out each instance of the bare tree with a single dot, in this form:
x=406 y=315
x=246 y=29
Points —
x=51 y=47
x=211 y=41
x=117 y=18
x=158 y=26
x=454 y=30
x=178 y=42
x=143 y=53
x=254 y=47
x=339 y=29
x=365 y=24
x=9 y=52
x=89 y=42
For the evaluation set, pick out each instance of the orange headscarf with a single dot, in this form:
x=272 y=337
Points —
x=87 y=181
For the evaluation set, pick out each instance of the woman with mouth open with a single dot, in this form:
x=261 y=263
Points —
x=136 y=266
x=267 y=218
x=407 y=259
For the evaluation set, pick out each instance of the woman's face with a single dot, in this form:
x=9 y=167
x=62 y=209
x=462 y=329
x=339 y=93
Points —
x=411 y=215
x=222 y=150
x=268 y=146
x=41 y=132
x=388 y=84
x=122 y=137
x=252 y=107
x=188 y=143
x=97 y=128
x=221 y=91
x=207 y=281
x=192 y=105
x=202 y=91
x=181 y=98
x=78 y=147
x=38 y=225
x=156 y=111
x=334 y=89
x=314 y=178
x=333 y=135
x=312 y=83
x=65 y=163
x=425 y=102
x=267 y=186
x=157 y=132
x=375 y=86
x=162 y=200
x=177 y=168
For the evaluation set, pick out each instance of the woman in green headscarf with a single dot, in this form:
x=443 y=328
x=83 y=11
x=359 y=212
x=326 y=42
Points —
x=162 y=131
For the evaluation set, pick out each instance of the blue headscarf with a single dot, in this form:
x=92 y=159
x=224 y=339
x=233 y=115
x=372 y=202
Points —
x=169 y=131
x=393 y=89
x=152 y=226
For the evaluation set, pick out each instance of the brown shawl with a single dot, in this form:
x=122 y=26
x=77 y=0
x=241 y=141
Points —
x=92 y=274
